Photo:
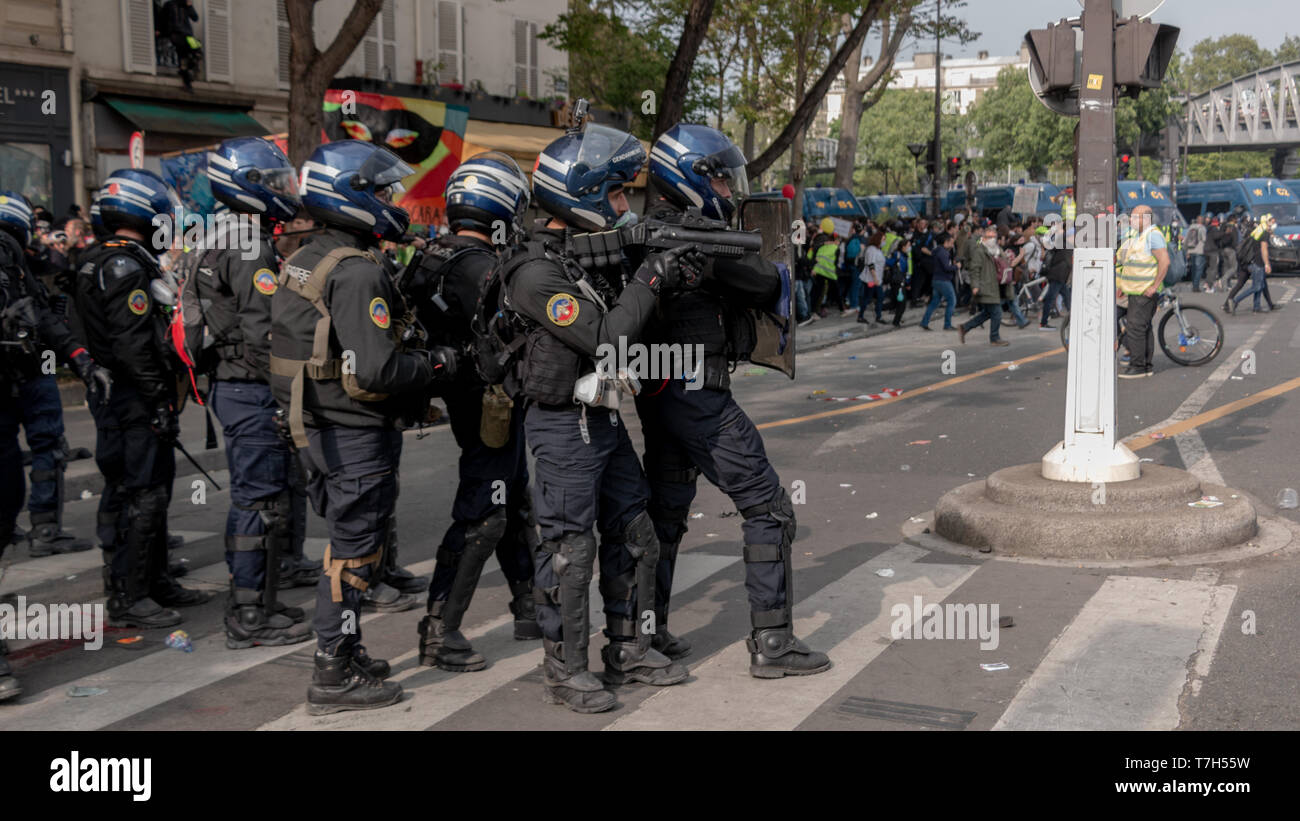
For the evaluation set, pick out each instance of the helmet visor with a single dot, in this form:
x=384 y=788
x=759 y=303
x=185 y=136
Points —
x=282 y=182
x=727 y=164
x=607 y=154
x=383 y=168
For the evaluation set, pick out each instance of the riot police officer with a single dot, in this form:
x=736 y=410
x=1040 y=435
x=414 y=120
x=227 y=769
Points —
x=117 y=286
x=339 y=368
x=486 y=196
x=692 y=429
x=587 y=471
x=226 y=321
x=29 y=328
x=29 y=394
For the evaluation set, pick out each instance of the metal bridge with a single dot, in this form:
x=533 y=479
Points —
x=1255 y=112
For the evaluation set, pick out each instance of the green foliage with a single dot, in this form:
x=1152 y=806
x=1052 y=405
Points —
x=1228 y=165
x=1213 y=62
x=1289 y=51
x=1015 y=129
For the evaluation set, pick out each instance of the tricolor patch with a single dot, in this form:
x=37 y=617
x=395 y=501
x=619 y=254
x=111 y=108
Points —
x=562 y=309
x=379 y=312
x=138 y=302
x=264 y=281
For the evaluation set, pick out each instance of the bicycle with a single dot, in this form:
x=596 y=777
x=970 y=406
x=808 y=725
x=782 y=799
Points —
x=1189 y=335
x=1029 y=293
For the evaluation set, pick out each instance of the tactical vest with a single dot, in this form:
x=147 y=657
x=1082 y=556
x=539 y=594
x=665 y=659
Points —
x=210 y=323
x=301 y=331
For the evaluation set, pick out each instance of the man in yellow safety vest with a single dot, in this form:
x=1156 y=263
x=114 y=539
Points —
x=1140 y=267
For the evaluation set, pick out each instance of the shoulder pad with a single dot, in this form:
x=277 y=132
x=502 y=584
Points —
x=121 y=266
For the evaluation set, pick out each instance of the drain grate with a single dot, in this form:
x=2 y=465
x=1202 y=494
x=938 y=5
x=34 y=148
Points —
x=906 y=713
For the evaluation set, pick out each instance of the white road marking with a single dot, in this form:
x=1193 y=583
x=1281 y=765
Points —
x=1122 y=664
x=848 y=619
x=17 y=577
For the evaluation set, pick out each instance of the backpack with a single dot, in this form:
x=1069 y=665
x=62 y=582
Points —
x=499 y=333
x=1005 y=272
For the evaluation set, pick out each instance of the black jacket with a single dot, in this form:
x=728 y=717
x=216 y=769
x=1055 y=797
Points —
x=236 y=294
x=51 y=332
x=124 y=330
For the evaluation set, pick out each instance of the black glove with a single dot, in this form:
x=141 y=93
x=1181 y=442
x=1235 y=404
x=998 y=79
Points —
x=442 y=360
x=164 y=423
x=98 y=380
x=678 y=269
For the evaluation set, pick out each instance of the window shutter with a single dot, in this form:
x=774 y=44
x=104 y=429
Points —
x=216 y=43
x=282 y=42
x=138 y=54
x=526 y=58
x=388 y=39
x=532 y=60
x=449 y=41
x=370 y=51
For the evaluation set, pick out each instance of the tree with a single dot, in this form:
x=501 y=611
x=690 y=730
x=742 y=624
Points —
x=310 y=70
x=856 y=86
x=673 y=103
x=808 y=101
x=1016 y=130
x=1289 y=51
x=1214 y=62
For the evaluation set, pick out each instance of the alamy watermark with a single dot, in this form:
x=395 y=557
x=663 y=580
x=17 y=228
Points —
x=226 y=232
x=959 y=622
x=654 y=361
x=38 y=622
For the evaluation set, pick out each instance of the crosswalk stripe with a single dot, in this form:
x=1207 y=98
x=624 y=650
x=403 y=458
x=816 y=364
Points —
x=18 y=577
x=1122 y=664
x=147 y=682
x=850 y=616
x=434 y=694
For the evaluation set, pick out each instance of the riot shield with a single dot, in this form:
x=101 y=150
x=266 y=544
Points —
x=775 y=327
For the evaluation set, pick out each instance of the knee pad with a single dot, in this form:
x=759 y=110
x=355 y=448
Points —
x=640 y=539
x=275 y=513
x=575 y=556
x=781 y=508
x=150 y=501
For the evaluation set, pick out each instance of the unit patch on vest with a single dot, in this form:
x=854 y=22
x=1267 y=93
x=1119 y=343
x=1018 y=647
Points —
x=379 y=312
x=138 y=302
x=562 y=309
x=264 y=281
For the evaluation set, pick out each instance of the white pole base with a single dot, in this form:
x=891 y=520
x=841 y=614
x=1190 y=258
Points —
x=1087 y=461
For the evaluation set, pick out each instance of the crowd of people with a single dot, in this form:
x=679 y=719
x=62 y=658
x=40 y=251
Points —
x=878 y=270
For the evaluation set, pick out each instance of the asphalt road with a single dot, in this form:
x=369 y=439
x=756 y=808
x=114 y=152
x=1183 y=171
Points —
x=1156 y=647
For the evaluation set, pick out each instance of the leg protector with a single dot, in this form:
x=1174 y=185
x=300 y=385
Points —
x=580 y=691
x=481 y=540
x=781 y=508
x=574 y=562
x=276 y=519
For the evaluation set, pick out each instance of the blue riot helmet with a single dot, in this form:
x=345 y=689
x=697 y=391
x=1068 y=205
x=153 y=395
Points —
x=16 y=216
x=352 y=184
x=692 y=165
x=252 y=176
x=485 y=189
x=575 y=174
x=139 y=201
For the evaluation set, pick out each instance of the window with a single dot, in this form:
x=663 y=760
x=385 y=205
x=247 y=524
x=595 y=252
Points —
x=25 y=168
x=379 y=46
x=1218 y=207
x=137 y=36
x=525 y=59
x=449 y=41
x=217 y=44
x=282 y=42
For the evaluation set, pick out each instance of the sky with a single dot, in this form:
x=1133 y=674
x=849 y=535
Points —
x=1003 y=23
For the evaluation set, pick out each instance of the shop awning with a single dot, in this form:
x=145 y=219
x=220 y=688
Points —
x=522 y=142
x=158 y=116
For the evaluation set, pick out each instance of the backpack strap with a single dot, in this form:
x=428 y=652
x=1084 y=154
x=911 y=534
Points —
x=321 y=366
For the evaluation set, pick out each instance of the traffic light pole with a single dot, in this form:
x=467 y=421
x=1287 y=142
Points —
x=1089 y=452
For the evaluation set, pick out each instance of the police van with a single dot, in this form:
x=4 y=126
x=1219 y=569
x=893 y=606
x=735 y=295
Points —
x=823 y=202
x=1255 y=196
x=991 y=199
x=1132 y=193
x=888 y=207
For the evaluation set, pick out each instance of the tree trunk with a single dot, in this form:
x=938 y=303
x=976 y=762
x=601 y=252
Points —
x=311 y=70
x=798 y=138
x=751 y=92
x=673 y=102
x=804 y=112
x=856 y=87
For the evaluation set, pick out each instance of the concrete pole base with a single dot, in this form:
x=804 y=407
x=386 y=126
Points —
x=1017 y=512
x=1088 y=461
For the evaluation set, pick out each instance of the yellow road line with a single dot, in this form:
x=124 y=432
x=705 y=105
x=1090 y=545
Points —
x=1213 y=414
x=947 y=383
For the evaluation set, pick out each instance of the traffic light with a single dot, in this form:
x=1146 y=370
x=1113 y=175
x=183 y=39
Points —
x=1051 y=55
x=1142 y=53
x=954 y=168
x=1123 y=165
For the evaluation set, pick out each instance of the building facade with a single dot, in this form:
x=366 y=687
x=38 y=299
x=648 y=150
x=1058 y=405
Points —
x=111 y=73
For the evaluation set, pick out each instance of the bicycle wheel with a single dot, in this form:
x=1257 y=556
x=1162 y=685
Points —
x=1065 y=333
x=1194 y=341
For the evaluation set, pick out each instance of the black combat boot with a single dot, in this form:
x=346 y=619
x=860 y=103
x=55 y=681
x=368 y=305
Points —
x=167 y=592
x=571 y=684
x=379 y=668
x=524 y=610
x=385 y=599
x=48 y=539
x=298 y=571
x=248 y=624
x=340 y=683
x=144 y=613
x=444 y=646
x=775 y=652
x=637 y=661
x=9 y=686
x=674 y=647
